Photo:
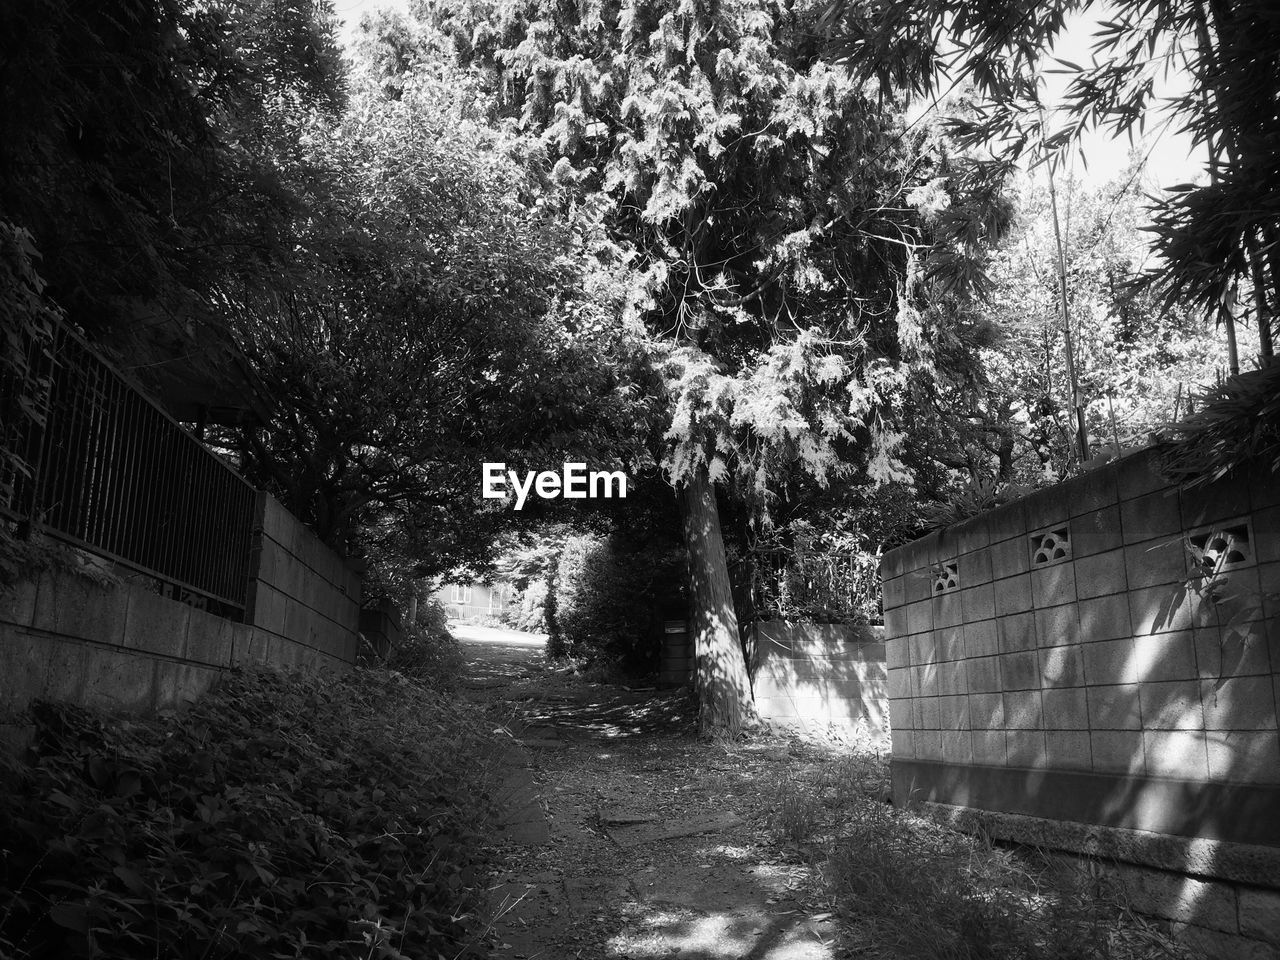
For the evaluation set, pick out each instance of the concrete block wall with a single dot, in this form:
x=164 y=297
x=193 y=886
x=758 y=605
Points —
x=821 y=674
x=302 y=592
x=1060 y=657
x=803 y=674
x=120 y=647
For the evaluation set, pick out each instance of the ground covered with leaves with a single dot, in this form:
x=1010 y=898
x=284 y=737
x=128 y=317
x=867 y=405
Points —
x=279 y=816
x=777 y=848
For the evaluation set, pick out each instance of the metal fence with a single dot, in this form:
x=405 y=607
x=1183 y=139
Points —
x=821 y=587
x=109 y=471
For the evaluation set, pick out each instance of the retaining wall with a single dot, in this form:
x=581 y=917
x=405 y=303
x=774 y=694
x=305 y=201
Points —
x=803 y=674
x=122 y=646
x=1062 y=661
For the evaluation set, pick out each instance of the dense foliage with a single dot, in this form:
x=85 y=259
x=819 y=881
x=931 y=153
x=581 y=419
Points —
x=276 y=817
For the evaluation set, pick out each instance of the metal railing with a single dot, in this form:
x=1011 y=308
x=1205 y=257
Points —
x=821 y=587
x=111 y=472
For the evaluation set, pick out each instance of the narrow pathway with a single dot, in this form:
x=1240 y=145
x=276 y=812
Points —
x=623 y=836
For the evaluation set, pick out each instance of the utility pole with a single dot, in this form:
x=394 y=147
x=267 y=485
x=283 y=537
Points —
x=1082 y=437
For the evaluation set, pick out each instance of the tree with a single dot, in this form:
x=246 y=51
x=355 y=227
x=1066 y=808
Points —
x=765 y=198
x=1215 y=238
x=427 y=320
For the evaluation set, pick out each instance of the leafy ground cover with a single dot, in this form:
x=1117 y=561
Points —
x=280 y=816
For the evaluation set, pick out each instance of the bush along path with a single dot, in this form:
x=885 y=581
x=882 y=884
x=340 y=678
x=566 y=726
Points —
x=279 y=816
x=624 y=836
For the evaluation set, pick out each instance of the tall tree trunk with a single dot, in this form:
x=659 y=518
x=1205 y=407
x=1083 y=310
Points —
x=725 y=703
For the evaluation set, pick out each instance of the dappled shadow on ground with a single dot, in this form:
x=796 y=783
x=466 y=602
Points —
x=654 y=844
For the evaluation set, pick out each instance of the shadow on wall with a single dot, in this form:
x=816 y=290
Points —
x=1104 y=654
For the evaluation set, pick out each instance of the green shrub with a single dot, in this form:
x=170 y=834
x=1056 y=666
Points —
x=278 y=816
x=429 y=653
x=609 y=594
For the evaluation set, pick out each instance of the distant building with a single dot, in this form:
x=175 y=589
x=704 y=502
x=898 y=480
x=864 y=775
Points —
x=466 y=600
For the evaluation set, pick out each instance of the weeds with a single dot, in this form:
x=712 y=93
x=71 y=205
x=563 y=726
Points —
x=278 y=816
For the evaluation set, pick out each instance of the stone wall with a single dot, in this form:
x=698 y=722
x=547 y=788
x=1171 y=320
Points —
x=1062 y=660
x=803 y=674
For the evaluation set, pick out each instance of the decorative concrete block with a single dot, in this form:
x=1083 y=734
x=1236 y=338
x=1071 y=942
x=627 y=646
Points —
x=1058 y=625
x=975 y=568
x=1096 y=532
x=1025 y=748
x=1171 y=705
x=1009 y=558
x=978 y=603
x=1260 y=914
x=1053 y=585
x=904 y=745
x=1176 y=753
x=1163 y=656
x=957 y=747
x=986 y=711
x=1154 y=562
x=1108 y=661
x=1016 y=632
x=156 y=624
x=989 y=748
x=1066 y=708
x=1061 y=666
x=1101 y=574
x=1239 y=703
x=1117 y=751
x=1104 y=618
x=1013 y=594
x=984 y=674
x=1114 y=707
x=1019 y=671
x=1152 y=516
x=1068 y=749
x=1244 y=756
x=1023 y=710
x=1225 y=653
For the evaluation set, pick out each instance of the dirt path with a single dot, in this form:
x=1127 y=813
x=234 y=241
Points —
x=624 y=837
